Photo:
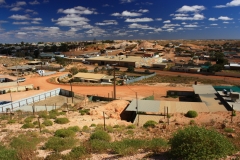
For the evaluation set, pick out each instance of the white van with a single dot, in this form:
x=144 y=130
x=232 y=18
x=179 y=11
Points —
x=21 y=80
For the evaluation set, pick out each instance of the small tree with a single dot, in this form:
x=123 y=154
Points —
x=73 y=70
x=130 y=69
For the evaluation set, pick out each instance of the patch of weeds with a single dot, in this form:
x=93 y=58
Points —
x=11 y=121
x=63 y=133
x=156 y=145
x=28 y=119
x=131 y=126
x=43 y=114
x=6 y=153
x=99 y=146
x=79 y=152
x=100 y=135
x=58 y=144
x=150 y=123
x=47 y=122
x=84 y=111
x=61 y=120
x=28 y=125
x=93 y=125
x=54 y=156
x=130 y=132
x=127 y=147
x=74 y=128
x=192 y=122
x=229 y=130
x=86 y=129
x=109 y=129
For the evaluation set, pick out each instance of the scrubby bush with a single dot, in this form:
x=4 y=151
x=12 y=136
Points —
x=191 y=114
x=199 y=143
x=64 y=133
x=79 y=152
x=156 y=145
x=86 y=129
x=131 y=126
x=43 y=114
x=127 y=146
x=229 y=130
x=7 y=153
x=54 y=156
x=150 y=123
x=100 y=135
x=28 y=125
x=84 y=111
x=74 y=128
x=93 y=125
x=61 y=120
x=58 y=144
x=11 y=121
x=47 y=122
x=28 y=119
x=99 y=146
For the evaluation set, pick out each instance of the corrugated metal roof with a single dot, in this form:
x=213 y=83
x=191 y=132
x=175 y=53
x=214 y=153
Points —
x=89 y=76
x=144 y=106
x=204 y=89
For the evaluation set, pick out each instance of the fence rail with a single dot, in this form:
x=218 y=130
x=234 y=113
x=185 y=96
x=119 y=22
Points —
x=29 y=100
x=140 y=78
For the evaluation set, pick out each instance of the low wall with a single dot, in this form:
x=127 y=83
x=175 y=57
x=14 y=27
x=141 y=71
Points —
x=26 y=101
x=5 y=84
x=18 y=88
x=227 y=74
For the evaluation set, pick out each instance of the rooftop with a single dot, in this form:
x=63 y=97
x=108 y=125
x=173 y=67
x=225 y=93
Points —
x=204 y=89
x=117 y=58
x=89 y=76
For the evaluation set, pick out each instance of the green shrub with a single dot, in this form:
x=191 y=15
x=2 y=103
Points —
x=116 y=126
x=74 y=128
x=79 y=152
x=26 y=145
x=191 y=114
x=84 y=111
x=43 y=114
x=11 y=121
x=28 y=125
x=47 y=122
x=156 y=145
x=150 y=123
x=64 y=133
x=93 y=125
x=7 y=153
x=127 y=146
x=35 y=122
x=192 y=122
x=131 y=126
x=28 y=119
x=229 y=130
x=130 y=132
x=199 y=143
x=109 y=129
x=58 y=144
x=54 y=156
x=234 y=113
x=61 y=120
x=100 y=135
x=99 y=146
x=86 y=129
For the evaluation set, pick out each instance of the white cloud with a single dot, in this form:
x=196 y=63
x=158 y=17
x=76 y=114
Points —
x=196 y=17
x=179 y=15
x=71 y=20
x=184 y=23
x=214 y=24
x=19 y=17
x=3 y=21
x=127 y=14
x=225 y=18
x=107 y=22
x=2 y=1
x=191 y=26
x=16 y=9
x=143 y=10
x=212 y=19
x=77 y=10
x=139 y=20
x=45 y=1
x=107 y=5
x=226 y=22
x=35 y=22
x=144 y=3
x=21 y=33
x=135 y=25
x=167 y=21
x=170 y=30
x=158 y=19
x=21 y=3
x=170 y=25
x=195 y=8
x=233 y=3
x=35 y=2
x=37 y=19
x=126 y=1
x=21 y=23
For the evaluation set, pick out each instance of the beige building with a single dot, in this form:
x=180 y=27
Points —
x=92 y=77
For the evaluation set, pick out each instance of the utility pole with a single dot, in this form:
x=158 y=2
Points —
x=71 y=90
x=114 y=83
x=137 y=109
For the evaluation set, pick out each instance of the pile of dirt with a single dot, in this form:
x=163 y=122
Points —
x=111 y=110
x=146 y=44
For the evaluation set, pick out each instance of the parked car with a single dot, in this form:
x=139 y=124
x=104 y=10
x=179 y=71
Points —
x=21 y=79
x=4 y=102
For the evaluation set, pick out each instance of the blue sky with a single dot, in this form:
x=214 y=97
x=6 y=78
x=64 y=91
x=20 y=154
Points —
x=79 y=20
